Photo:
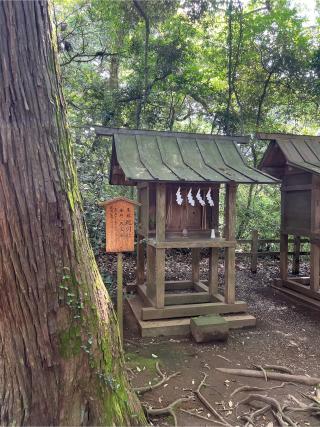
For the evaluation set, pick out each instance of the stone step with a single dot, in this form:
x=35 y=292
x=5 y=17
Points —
x=209 y=328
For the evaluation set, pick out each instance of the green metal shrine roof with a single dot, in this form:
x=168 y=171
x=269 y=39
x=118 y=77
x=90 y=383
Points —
x=299 y=151
x=180 y=157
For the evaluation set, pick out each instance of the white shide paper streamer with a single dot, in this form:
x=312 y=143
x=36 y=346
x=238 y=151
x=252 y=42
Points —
x=209 y=198
x=190 y=198
x=179 y=198
x=200 y=199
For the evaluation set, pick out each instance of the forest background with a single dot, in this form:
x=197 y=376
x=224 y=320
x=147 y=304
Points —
x=223 y=67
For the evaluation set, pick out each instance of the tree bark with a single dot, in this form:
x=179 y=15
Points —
x=142 y=101
x=61 y=361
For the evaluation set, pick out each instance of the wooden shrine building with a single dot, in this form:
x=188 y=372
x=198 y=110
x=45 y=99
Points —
x=178 y=178
x=295 y=159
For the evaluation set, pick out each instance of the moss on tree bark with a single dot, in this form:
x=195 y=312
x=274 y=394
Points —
x=61 y=360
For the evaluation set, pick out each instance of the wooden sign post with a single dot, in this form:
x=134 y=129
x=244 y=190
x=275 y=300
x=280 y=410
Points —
x=119 y=239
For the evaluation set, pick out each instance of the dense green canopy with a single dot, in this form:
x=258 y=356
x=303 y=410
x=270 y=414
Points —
x=213 y=66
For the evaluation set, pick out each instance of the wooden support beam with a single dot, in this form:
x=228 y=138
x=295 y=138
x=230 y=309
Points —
x=151 y=260
x=230 y=276
x=296 y=255
x=160 y=212
x=304 y=299
x=230 y=211
x=156 y=275
x=314 y=267
x=186 y=298
x=201 y=286
x=182 y=285
x=315 y=204
x=195 y=265
x=140 y=261
x=213 y=271
x=192 y=243
x=159 y=278
x=143 y=294
x=254 y=250
x=283 y=256
x=230 y=256
x=298 y=287
x=143 y=212
x=172 y=311
x=215 y=209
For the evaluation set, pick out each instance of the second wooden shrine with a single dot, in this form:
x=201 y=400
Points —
x=178 y=178
x=295 y=159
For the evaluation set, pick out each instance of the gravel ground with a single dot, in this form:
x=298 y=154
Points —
x=287 y=334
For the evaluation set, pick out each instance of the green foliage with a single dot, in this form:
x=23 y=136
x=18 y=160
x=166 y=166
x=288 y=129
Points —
x=209 y=66
x=263 y=214
x=93 y=160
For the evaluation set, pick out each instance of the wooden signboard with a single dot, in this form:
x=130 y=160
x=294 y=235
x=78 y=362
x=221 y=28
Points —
x=119 y=238
x=119 y=224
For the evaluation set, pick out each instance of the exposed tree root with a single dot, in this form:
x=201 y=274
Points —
x=208 y=404
x=273 y=403
x=279 y=368
x=224 y=358
x=263 y=371
x=164 y=379
x=300 y=404
x=301 y=379
x=279 y=418
x=252 y=388
x=202 y=417
x=167 y=410
x=312 y=398
x=250 y=418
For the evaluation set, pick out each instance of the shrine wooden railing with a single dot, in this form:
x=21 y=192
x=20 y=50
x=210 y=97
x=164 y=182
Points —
x=265 y=247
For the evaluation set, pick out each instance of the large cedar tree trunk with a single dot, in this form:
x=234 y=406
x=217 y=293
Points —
x=60 y=357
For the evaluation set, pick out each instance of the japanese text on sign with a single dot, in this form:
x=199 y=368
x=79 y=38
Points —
x=120 y=226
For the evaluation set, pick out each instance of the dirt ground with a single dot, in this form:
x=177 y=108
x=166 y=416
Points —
x=286 y=334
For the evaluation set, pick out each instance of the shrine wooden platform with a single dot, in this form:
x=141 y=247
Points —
x=175 y=319
x=299 y=289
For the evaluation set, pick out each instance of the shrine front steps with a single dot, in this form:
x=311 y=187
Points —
x=181 y=326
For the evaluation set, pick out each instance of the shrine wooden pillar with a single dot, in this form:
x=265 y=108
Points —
x=195 y=252
x=214 y=252
x=314 y=266
x=230 y=223
x=140 y=248
x=283 y=256
x=315 y=231
x=283 y=240
x=296 y=255
x=156 y=256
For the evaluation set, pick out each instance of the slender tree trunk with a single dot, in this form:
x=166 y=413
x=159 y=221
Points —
x=262 y=98
x=229 y=70
x=61 y=362
x=142 y=101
